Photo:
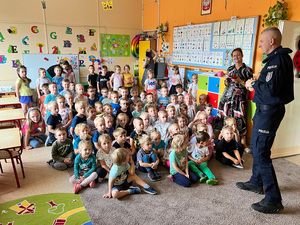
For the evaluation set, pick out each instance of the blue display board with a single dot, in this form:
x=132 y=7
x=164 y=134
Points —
x=35 y=61
x=209 y=45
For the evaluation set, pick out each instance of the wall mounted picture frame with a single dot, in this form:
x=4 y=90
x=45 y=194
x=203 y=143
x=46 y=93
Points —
x=206 y=7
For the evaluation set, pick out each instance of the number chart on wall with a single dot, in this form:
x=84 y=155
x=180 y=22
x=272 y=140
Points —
x=210 y=44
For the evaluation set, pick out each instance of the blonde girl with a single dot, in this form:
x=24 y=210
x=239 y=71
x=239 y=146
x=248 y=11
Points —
x=80 y=94
x=104 y=157
x=23 y=90
x=182 y=121
x=81 y=130
x=146 y=120
x=65 y=113
x=179 y=169
x=172 y=131
x=100 y=126
x=176 y=79
x=34 y=128
x=84 y=167
x=40 y=81
x=150 y=82
x=188 y=100
x=158 y=145
x=201 y=117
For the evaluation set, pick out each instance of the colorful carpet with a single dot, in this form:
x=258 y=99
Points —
x=55 y=209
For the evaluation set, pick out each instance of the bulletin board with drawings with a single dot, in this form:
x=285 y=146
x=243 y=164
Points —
x=210 y=44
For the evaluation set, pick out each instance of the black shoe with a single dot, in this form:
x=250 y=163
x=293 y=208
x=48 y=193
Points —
x=250 y=187
x=267 y=207
x=50 y=162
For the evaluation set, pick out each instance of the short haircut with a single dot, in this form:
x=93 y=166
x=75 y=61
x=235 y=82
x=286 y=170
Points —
x=148 y=94
x=78 y=85
x=60 y=129
x=66 y=80
x=201 y=125
x=150 y=106
x=103 y=137
x=114 y=93
x=202 y=96
x=137 y=120
x=170 y=107
x=144 y=138
x=227 y=127
x=202 y=136
x=117 y=67
x=180 y=95
x=80 y=127
x=275 y=33
x=108 y=116
x=173 y=96
x=99 y=120
x=104 y=67
x=119 y=131
x=119 y=155
x=154 y=131
x=183 y=106
x=124 y=88
x=181 y=117
x=143 y=91
x=80 y=104
x=85 y=141
x=69 y=93
x=90 y=88
x=60 y=97
x=162 y=112
x=178 y=86
x=164 y=88
x=136 y=102
x=52 y=104
x=41 y=69
x=121 y=115
x=52 y=84
x=92 y=66
x=134 y=88
x=98 y=103
x=230 y=119
x=45 y=85
x=143 y=114
x=126 y=66
x=208 y=105
x=104 y=89
x=90 y=107
x=194 y=75
x=58 y=67
x=107 y=105
x=124 y=99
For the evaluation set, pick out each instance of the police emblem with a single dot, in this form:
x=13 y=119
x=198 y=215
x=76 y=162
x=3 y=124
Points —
x=269 y=76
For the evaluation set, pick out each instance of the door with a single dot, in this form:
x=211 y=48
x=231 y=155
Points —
x=287 y=141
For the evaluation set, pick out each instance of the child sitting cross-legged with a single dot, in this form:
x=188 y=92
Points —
x=122 y=174
x=227 y=151
x=120 y=137
x=104 y=157
x=62 y=150
x=198 y=156
x=122 y=122
x=158 y=145
x=172 y=131
x=147 y=160
x=54 y=120
x=179 y=168
x=84 y=166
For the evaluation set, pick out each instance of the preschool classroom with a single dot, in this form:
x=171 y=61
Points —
x=163 y=64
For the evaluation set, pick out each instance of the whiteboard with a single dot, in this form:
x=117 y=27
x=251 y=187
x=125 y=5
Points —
x=35 y=61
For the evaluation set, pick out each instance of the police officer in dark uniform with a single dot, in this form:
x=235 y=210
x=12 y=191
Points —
x=273 y=89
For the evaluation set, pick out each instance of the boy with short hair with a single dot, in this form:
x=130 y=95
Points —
x=152 y=110
x=92 y=95
x=136 y=134
x=149 y=100
x=104 y=94
x=92 y=77
x=53 y=121
x=179 y=89
x=134 y=92
x=70 y=102
x=66 y=87
x=202 y=102
x=109 y=121
x=50 y=97
x=99 y=107
x=79 y=118
x=58 y=78
x=164 y=100
x=103 y=79
x=180 y=98
x=162 y=124
x=114 y=103
x=122 y=174
x=124 y=94
x=174 y=102
x=62 y=150
x=227 y=152
x=108 y=98
x=124 y=108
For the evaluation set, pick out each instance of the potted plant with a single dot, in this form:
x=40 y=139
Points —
x=275 y=13
x=162 y=30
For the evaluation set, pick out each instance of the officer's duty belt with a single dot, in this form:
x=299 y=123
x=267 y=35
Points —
x=270 y=107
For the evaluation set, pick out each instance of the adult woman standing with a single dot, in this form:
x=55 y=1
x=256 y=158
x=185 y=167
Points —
x=234 y=98
x=149 y=63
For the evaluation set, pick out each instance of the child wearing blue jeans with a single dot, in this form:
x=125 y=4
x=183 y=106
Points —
x=179 y=168
x=122 y=174
x=147 y=160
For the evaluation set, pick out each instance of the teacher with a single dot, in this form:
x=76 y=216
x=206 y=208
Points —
x=234 y=98
x=148 y=63
x=273 y=89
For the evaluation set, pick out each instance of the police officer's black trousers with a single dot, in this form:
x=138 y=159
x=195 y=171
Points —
x=265 y=125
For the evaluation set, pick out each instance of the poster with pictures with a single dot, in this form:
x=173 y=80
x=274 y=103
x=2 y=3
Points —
x=115 y=45
x=249 y=26
x=247 y=41
x=238 y=41
x=216 y=30
x=230 y=42
x=224 y=27
x=231 y=27
x=215 y=44
x=222 y=42
x=240 y=24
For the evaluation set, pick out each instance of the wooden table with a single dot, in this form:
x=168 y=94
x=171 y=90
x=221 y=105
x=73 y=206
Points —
x=9 y=101
x=11 y=139
x=12 y=115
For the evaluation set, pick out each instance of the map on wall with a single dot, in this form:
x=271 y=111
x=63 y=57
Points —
x=115 y=45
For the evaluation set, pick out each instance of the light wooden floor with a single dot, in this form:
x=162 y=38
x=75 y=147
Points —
x=43 y=179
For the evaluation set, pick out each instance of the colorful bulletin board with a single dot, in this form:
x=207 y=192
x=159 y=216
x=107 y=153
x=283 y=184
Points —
x=115 y=45
x=210 y=44
x=35 y=61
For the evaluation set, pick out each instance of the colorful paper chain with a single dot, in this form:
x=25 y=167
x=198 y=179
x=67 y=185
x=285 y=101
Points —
x=135 y=46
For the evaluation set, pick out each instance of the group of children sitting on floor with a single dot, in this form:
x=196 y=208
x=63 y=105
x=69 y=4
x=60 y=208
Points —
x=108 y=134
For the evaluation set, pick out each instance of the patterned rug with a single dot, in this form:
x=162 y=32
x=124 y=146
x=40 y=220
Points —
x=55 y=209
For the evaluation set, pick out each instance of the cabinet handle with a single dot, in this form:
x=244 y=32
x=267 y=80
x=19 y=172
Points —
x=205 y=83
x=217 y=85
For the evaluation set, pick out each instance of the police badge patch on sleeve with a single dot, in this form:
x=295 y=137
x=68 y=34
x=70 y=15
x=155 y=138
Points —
x=269 y=76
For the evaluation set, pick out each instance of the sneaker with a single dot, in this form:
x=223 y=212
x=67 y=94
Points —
x=170 y=177
x=151 y=176
x=203 y=178
x=77 y=188
x=92 y=184
x=212 y=181
x=239 y=166
x=247 y=150
x=134 y=190
x=150 y=191
x=156 y=175
x=250 y=187
x=267 y=207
